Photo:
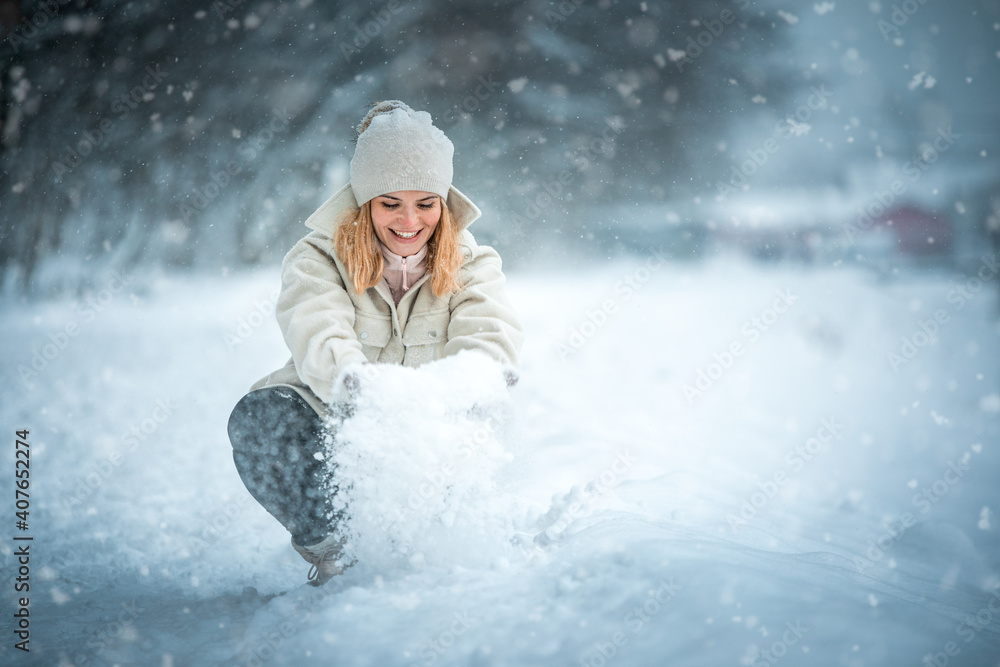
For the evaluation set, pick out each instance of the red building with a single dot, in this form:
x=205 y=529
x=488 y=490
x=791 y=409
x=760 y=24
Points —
x=917 y=232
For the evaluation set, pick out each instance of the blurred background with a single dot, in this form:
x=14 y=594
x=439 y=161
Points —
x=809 y=385
x=199 y=135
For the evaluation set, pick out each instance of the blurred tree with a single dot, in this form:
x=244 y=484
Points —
x=201 y=134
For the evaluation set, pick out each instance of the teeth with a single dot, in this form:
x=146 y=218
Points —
x=404 y=235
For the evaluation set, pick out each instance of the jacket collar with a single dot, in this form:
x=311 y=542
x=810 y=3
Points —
x=324 y=219
x=395 y=262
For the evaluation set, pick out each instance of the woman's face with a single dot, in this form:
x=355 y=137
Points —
x=405 y=220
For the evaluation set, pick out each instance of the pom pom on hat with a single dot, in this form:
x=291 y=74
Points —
x=400 y=149
x=380 y=108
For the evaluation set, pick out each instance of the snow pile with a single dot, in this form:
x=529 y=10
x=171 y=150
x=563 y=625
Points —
x=727 y=529
x=416 y=465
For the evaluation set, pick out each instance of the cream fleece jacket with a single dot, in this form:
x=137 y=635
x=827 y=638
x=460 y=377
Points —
x=327 y=326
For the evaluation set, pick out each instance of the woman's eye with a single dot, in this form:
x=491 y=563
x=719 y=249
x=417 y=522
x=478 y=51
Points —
x=389 y=206
x=426 y=206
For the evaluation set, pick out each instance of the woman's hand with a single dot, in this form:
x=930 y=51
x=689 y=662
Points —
x=347 y=386
x=352 y=384
x=352 y=379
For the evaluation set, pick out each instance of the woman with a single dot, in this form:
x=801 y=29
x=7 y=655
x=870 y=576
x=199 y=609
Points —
x=389 y=274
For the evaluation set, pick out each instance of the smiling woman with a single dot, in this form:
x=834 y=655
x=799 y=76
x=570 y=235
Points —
x=390 y=275
x=406 y=226
x=401 y=216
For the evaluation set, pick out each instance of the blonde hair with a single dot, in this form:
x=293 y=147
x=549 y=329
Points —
x=358 y=248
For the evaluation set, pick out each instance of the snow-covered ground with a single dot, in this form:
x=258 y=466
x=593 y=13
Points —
x=711 y=464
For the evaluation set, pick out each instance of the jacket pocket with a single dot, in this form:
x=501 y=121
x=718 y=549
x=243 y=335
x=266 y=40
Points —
x=425 y=336
x=373 y=333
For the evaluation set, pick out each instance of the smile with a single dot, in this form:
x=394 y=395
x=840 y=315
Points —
x=404 y=235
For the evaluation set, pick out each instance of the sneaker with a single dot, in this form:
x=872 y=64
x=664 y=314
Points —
x=324 y=558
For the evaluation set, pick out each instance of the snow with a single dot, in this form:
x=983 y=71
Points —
x=412 y=474
x=812 y=506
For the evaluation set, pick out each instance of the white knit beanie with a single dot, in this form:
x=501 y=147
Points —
x=400 y=149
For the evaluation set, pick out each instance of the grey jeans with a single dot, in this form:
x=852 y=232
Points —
x=275 y=435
